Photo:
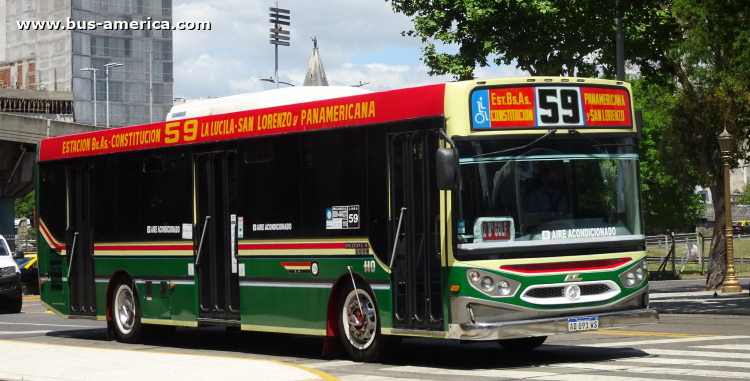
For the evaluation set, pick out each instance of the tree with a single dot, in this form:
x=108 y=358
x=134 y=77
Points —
x=25 y=206
x=669 y=200
x=702 y=48
x=744 y=197
x=711 y=61
x=541 y=37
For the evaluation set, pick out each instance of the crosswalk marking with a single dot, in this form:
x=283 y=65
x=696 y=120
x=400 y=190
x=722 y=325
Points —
x=365 y=377
x=469 y=372
x=656 y=371
x=678 y=352
x=591 y=377
x=663 y=341
x=495 y=373
x=734 y=347
x=691 y=362
x=651 y=334
x=329 y=364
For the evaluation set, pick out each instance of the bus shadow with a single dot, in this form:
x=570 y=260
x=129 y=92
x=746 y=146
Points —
x=434 y=353
x=490 y=355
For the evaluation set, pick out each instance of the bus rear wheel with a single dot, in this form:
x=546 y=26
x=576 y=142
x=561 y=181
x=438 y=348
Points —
x=522 y=344
x=359 y=324
x=126 y=314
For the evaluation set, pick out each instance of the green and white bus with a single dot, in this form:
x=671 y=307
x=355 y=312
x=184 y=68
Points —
x=499 y=209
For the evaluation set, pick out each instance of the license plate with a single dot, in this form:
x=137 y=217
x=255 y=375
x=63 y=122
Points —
x=583 y=324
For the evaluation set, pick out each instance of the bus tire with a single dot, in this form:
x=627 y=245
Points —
x=522 y=344
x=126 y=313
x=360 y=328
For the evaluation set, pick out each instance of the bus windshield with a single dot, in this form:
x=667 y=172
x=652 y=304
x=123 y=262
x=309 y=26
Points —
x=556 y=191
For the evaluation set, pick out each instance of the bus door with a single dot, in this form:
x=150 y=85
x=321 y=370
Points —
x=216 y=236
x=79 y=245
x=414 y=202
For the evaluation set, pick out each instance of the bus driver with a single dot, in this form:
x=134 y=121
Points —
x=548 y=198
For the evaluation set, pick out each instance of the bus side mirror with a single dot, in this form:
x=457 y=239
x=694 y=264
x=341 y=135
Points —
x=445 y=164
x=18 y=254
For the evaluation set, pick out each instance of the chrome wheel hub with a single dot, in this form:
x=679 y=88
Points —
x=360 y=319
x=125 y=306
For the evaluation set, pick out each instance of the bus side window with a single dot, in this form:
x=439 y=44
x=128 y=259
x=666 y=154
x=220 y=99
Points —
x=52 y=191
x=269 y=187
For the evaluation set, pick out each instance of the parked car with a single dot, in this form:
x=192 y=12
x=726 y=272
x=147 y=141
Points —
x=744 y=227
x=29 y=266
x=11 y=299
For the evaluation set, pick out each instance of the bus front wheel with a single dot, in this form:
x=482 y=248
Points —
x=359 y=324
x=126 y=314
x=523 y=344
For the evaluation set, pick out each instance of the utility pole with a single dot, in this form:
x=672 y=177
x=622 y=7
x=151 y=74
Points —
x=91 y=69
x=620 y=43
x=106 y=72
x=150 y=87
x=279 y=36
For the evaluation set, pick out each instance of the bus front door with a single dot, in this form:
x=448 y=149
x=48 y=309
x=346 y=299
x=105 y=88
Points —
x=417 y=291
x=80 y=247
x=216 y=236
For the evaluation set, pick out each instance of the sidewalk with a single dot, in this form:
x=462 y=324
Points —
x=21 y=362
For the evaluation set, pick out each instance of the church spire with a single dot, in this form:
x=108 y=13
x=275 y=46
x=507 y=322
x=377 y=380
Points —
x=315 y=75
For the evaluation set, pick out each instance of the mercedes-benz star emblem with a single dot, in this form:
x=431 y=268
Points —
x=572 y=292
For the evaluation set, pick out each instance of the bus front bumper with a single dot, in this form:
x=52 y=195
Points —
x=548 y=326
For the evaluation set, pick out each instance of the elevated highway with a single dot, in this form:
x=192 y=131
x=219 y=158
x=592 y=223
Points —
x=19 y=137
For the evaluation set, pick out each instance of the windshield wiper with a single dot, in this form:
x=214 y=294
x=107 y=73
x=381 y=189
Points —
x=517 y=148
x=596 y=142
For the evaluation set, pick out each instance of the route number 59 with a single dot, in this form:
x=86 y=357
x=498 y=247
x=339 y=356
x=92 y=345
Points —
x=189 y=131
x=559 y=106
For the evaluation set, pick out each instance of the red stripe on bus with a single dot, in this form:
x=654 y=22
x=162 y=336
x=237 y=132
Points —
x=49 y=238
x=145 y=247
x=285 y=264
x=291 y=246
x=596 y=264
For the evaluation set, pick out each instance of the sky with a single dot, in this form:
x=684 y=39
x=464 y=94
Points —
x=358 y=41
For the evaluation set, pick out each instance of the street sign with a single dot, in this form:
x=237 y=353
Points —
x=279 y=17
x=281 y=37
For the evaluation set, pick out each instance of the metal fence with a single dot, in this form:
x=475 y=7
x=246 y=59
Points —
x=682 y=240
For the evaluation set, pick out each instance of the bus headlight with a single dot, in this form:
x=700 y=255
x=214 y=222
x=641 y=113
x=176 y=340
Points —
x=503 y=287
x=630 y=278
x=634 y=276
x=491 y=284
x=487 y=283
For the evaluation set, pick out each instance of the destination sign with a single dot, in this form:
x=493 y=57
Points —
x=380 y=107
x=550 y=107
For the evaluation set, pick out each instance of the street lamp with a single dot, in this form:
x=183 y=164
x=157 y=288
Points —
x=94 y=71
x=106 y=72
x=273 y=81
x=731 y=284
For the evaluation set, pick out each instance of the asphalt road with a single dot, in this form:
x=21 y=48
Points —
x=680 y=347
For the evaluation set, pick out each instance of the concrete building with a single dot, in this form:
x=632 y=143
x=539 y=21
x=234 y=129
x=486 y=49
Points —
x=52 y=59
